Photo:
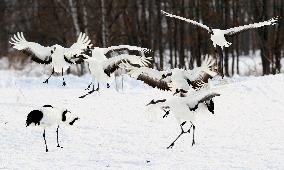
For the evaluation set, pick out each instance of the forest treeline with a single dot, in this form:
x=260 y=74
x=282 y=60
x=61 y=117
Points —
x=139 y=22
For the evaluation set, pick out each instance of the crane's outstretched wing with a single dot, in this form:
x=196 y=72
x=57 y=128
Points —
x=200 y=75
x=112 y=64
x=187 y=20
x=239 y=29
x=83 y=44
x=194 y=98
x=120 y=49
x=149 y=76
x=155 y=83
x=38 y=53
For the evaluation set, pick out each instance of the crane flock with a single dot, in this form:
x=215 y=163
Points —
x=189 y=87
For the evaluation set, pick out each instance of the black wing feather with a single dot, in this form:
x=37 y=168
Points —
x=47 y=60
x=160 y=84
x=196 y=84
x=112 y=68
x=67 y=60
x=122 y=51
x=204 y=99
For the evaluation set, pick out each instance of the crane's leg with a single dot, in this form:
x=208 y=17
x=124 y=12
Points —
x=57 y=137
x=90 y=92
x=167 y=113
x=45 y=141
x=64 y=83
x=93 y=90
x=46 y=81
x=193 y=130
x=182 y=132
x=98 y=88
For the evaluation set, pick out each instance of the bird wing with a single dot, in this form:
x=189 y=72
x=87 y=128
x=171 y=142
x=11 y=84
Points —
x=83 y=44
x=239 y=29
x=187 y=20
x=149 y=76
x=38 y=53
x=194 y=98
x=119 y=48
x=155 y=83
x=114 y=63
x=200 y=75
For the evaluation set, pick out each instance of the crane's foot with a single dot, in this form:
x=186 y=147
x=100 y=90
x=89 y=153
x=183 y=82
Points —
x=46 y=81
x=193 y=142
x=171 y=146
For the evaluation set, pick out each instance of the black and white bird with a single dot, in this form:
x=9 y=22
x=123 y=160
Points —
x=101 y=67
x=186 y=109
x=58 y=57
x=48 y=116
x=218 y=36
x=175 y=80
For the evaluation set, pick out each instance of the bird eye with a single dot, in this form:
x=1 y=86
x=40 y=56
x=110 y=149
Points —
x=51 y=51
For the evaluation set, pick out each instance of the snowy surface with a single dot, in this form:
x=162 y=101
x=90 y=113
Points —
x=246 y=131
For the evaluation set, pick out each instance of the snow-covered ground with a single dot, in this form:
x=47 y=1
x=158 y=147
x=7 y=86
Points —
x=114 y=132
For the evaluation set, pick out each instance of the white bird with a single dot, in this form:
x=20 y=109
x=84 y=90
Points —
x=101 y=67
x=48 y=116
x=186 y=109
x=218 y=35
x=175 y=80
x=56 y=56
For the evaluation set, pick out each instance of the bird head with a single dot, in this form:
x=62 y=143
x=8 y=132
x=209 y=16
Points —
x=68 y=117
x=210 y=31
x=73 y=121
x=181 y=92
x=165 y=75
x=56 y=48
x=176 y=92
x=52 y=51
x=80 y=57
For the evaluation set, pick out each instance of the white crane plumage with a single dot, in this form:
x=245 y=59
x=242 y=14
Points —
x=186 y=109
x=48 y=116
x=101 y=67
x=175 y=80
x=218 y=35
x=56 y=56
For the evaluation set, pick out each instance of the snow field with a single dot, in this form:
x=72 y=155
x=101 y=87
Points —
x=246 y=131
